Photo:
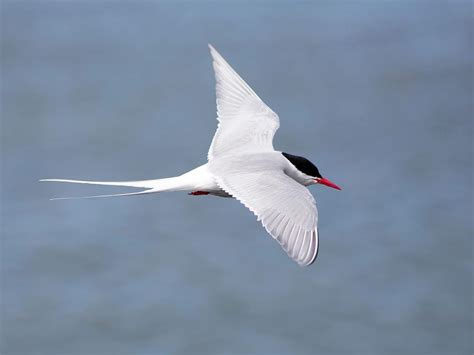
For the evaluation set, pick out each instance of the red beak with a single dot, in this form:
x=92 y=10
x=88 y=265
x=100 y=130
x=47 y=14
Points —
x=327 y=183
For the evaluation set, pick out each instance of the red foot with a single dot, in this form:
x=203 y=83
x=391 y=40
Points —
x=197 y=193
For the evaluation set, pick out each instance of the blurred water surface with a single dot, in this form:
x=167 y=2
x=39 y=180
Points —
x=377 y=94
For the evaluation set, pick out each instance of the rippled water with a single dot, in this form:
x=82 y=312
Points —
x=377 y=94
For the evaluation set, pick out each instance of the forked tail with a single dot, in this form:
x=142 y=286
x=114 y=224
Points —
x=150 y=186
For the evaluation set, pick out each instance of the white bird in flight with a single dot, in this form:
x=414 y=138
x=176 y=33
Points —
x=243 y=164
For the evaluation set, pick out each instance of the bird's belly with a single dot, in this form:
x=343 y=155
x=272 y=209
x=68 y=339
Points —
x=200 y=179
x=210 y=185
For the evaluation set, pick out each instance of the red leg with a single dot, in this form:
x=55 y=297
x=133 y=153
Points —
x=198 y=193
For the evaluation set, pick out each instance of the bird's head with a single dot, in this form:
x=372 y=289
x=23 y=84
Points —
x=310 y=170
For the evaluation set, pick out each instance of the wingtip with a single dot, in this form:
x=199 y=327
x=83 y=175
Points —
x=216 y=56
x=213 y=51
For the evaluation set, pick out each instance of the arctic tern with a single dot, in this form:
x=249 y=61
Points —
x=243 y=164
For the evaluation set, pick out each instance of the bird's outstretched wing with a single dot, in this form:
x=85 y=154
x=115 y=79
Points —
x=246 y=124
x=286 y=208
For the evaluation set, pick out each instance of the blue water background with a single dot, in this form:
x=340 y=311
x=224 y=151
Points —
x=377 y=94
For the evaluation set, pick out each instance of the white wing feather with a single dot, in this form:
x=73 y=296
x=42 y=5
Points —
x=246 y=124
x=286 y=208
